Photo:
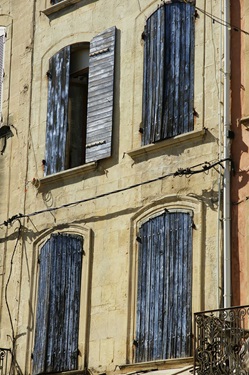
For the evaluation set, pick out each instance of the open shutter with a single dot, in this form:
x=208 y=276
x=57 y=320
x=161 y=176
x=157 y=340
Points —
x=57 y=322
x=2 y=42
x=153 y=79
x=164 y=288
x=100 y=96
x=168 y=89
x=57 y=111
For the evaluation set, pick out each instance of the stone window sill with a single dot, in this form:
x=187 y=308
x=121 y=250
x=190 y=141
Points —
x=65 y=176
x=69 y=372
x=166 y=144
x=156 y=365
x=64 y=4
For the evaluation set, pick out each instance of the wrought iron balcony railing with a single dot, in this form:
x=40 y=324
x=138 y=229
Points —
x=222 y=342
x=5 y=361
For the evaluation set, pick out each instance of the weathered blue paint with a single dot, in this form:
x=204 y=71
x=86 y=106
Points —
x=57 y=111
x=164 y=303
x=100 y=96
x=57 y=318
x=168 y=86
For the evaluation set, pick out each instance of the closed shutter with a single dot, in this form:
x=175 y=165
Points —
x=57 y=322
x=39 y=354
x=168 y=93
x=2 y=42
x=164 y=288
x=57 y=111
x=100 y=96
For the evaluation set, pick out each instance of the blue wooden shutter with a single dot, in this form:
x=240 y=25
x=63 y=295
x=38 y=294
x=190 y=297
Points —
x=168 y=88
x=164 y=303
x=100 y=96
x=39 y=354
x=57 y=111
x=57 y=322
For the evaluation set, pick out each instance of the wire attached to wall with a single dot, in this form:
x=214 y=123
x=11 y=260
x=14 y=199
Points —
x=13 y=338
x=180 y=172
x=217 y=19
x=222 y=22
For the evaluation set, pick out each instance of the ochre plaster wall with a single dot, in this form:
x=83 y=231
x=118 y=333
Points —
x=108 y=223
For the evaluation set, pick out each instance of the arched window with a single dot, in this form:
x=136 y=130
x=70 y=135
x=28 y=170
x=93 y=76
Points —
x=58 y=304
x=164 y=287
x=80 y=103
x=168 y=89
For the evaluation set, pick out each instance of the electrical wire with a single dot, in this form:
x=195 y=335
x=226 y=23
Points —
x=219 y=20
x=205 y=167
x=241 y=201
x=8 y=280
x=13 y=338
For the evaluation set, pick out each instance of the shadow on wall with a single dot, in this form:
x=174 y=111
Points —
x=239 y=179
x=210 y=198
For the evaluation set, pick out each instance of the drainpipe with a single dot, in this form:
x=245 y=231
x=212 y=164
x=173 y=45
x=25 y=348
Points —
x=226 y=187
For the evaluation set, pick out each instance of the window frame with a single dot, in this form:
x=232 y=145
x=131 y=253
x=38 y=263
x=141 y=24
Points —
x=174 y=203
x=152 y=348
x=53 y=9
x=84 y=314
x=100 y=113
x=160 y=121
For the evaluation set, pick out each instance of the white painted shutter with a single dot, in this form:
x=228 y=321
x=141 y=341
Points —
x=100 y=96
x=2 y=42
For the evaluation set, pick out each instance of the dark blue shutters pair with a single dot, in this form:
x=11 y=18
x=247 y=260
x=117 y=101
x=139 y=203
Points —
x=163 y=326
x=168 y=87
x=99 y=108
x=58 y=302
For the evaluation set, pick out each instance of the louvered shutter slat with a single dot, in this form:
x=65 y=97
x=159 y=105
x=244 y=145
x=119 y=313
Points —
x=100 y=96
x=57 y=111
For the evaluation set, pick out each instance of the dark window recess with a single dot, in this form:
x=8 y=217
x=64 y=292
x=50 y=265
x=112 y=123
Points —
x=58 y=304
x=55 y=1
x=164 y=301
x=168 y=88
x=80 y=103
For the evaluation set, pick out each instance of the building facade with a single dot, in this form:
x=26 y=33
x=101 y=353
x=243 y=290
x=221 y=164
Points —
x=111 y=170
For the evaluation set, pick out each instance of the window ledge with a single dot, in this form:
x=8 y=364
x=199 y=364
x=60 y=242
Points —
x=144 y=150
x=64 y=4
x=156 y=365
x=69 y=372
x=65 y=175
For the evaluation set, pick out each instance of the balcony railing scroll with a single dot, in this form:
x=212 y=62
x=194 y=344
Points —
x=222 y=342
x=5 y=361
